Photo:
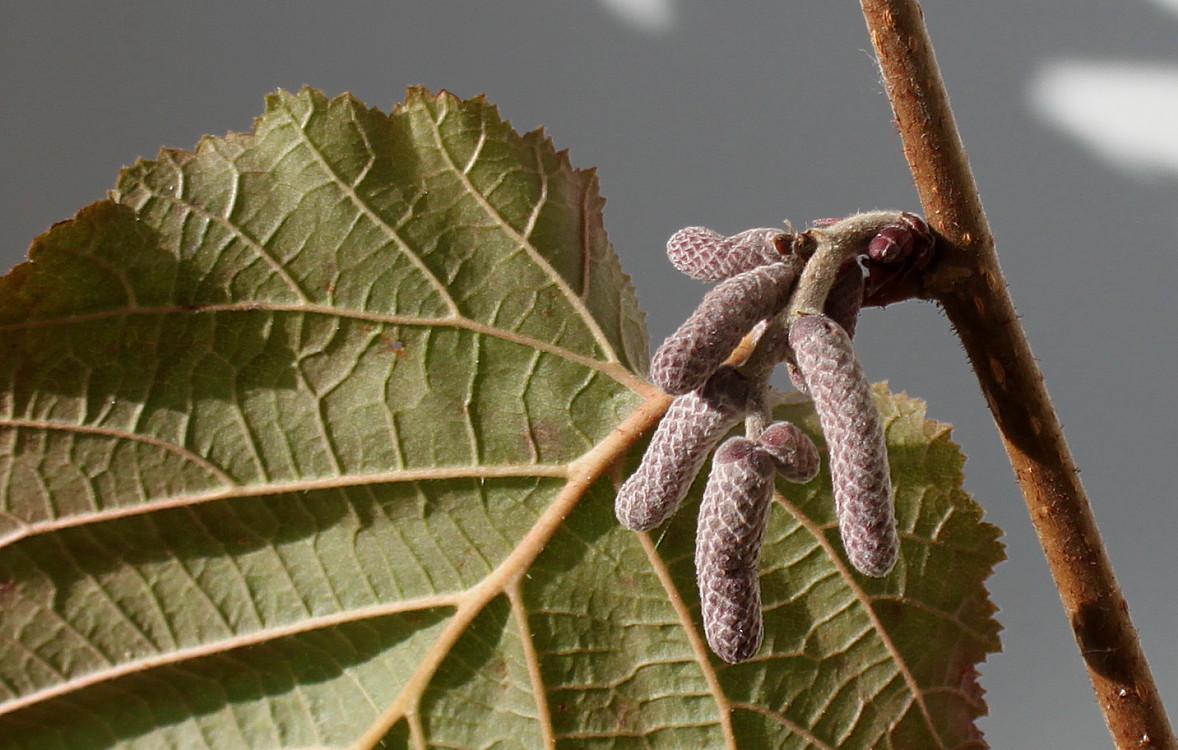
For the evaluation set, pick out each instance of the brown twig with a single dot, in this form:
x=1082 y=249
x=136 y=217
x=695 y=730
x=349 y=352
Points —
x=968 y=283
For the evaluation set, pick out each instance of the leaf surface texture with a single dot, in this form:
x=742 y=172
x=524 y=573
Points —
x=310 y=438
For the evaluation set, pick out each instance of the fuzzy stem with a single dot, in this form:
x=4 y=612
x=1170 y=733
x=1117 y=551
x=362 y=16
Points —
x=834 y=244
x=968 y=283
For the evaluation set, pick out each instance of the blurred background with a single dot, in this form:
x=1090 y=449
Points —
x=734 y=115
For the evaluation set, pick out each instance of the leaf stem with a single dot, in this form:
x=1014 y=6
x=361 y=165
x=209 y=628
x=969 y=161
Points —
x=968 y=283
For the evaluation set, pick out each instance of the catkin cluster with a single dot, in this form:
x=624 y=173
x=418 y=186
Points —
x=760 y=272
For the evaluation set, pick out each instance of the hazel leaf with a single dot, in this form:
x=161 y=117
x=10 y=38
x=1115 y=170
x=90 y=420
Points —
x=308 y=438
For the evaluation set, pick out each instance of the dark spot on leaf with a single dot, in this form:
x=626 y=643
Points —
x=395 y=346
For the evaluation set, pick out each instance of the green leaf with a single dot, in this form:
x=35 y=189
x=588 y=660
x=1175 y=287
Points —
x=307 y=442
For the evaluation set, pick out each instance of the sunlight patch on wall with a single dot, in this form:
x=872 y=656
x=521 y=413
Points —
x=1171 y=5
x=653 y=16
x=1125 y=112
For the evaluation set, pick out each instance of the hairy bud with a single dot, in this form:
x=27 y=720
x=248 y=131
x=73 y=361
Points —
x=691 y=354
x=854 y=434
x=732 y=520
x=692 y=426
x=792 y=451
x=709 y=256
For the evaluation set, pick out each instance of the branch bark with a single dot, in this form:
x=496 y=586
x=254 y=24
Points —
x=968 y=283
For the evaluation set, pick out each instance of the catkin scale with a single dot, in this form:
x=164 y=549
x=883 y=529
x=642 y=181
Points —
x=732 y=520
x=689 y=430
x=854 y=434
x=691 y=354
x=710 y=256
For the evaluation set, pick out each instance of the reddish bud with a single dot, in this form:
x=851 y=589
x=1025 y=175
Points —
x=900 y=248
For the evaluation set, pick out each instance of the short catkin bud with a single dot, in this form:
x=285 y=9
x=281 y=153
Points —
x=854 y=433
x=692 y=426
x=710 y=256
x=691 y=354
x=732 y=520
x=792 y=451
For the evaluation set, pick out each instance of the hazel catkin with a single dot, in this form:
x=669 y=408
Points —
x=710 y=256
x=843 y=302
x=854 y=434
x=691 y=354
x=689 y=430
x=845 y=298
x=732 y=520
x=792 y=451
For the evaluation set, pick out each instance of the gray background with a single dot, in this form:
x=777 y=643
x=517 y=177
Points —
x=737 y=115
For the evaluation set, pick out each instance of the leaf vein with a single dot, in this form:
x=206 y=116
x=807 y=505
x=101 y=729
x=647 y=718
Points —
x=242 y=640
x=281 y=487
x=865 y=602
x=204 y=463
x=532 y=662
x=582 y=473
x=350 y=192
x=191 y=208
x=574 y=299
x=612 y=368
x=786 y=722
x=698 y=649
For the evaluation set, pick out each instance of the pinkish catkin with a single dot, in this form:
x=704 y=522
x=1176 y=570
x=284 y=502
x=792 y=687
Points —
x=691 y=354
x=732 y=520
x=710 y=256
x=854 y=434
x=692 y=426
